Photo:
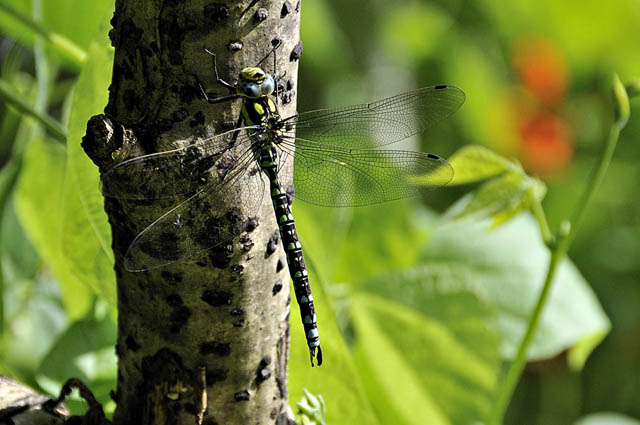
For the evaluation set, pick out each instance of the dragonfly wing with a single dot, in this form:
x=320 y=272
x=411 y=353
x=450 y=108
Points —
x=195 y=229
x=378 y=123
x=334 y=176
x=172 y=173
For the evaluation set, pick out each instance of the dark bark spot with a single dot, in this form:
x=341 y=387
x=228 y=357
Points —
x=272 y=245
x=216 y=13
x=265 y=361
x=217 y=298
x=187 y=93
x=198 y=119
x=241 y=396
x=277 y=287
x=221 y=256
x=237 y=312
x=286 y=9
x=236 y=269
x=214 y=347
x=131 y=343
x=130 y=99
x=246 y=242
x=174 y=300
x=179 y=114
x=252 y=224
x=296 y=53
x=191 y=408
x=175 y=58
x=167 y=249
x=238 y=324
x=171 y=277
x=263 y=375
x=216 y=375
x=291 y=194
x=279 y=266
x=282 y=420
x=179 y=318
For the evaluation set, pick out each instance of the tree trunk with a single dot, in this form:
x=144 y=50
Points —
x=205 y=341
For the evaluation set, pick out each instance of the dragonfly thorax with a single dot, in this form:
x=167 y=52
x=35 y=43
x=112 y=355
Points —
x=255 y=83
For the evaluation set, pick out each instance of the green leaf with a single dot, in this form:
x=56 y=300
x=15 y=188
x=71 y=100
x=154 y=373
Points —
x=474 y=163
x=606 y=418
x=352 y=244
x=337 y=379
x=87 y=236
x=506 y=268
x=500 y=198
x=419 y=368
x=68 y=26
x=38 y=204
x=85 y=351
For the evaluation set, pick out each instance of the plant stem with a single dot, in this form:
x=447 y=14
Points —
x=545 y=231
x=8 y=94
x=61 y=44
x=558 y=250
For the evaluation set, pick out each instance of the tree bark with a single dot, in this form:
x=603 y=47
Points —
x=205 y=341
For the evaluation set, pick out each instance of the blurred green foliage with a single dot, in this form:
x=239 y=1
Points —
x=419 y=307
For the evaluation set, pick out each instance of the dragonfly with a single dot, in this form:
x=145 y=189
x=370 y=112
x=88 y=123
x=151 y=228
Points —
x=336 y=163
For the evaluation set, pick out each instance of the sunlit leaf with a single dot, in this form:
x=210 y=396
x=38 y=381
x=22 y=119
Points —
x=417 y=368
x=500 y=198
x=474 y=163
x=337 y=379
x=38 y=200
x=87 y=236
x=506 y=269
x=606 y=418
x=85 y=351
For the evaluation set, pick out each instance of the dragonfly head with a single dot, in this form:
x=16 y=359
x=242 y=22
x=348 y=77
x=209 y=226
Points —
x=255 y=83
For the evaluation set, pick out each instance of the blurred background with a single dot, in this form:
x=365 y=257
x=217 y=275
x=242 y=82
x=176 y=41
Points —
x=537 y=77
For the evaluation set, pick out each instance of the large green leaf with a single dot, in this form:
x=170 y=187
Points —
x=352 y=244
x=85 y=351
x=440 y=368
x=87 y=236
x=38 y=204
x=606 y=418
x=506 y=269
x=337 y=379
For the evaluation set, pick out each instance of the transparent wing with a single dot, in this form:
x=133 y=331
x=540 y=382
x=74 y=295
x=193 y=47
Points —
x=176 y=172
x=378 y=123
x=192 y=229
x=334 y=176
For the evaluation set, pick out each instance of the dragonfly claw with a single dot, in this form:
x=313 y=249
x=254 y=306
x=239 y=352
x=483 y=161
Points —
x=312 y=353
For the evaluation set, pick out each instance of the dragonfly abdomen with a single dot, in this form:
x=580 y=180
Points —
x=295 y=258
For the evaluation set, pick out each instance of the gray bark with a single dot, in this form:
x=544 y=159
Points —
x=205 y=341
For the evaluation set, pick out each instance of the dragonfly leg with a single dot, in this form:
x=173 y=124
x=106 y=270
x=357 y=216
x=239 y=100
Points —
x=219 y=80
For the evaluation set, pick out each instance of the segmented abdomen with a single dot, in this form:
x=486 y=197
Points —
x=293 y=250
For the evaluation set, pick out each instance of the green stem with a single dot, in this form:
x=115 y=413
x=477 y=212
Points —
x=8 y=94
x=541 y=218
x=61 y=44
x=564 y=237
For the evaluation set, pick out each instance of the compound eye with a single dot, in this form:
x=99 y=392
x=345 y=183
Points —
x=249 y=89
x=268 y=85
